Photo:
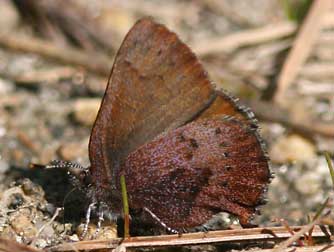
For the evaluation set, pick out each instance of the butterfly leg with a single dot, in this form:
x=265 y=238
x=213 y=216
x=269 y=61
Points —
x=99 y=222
x=156 y=218
x=100 y=213
x=88 y=214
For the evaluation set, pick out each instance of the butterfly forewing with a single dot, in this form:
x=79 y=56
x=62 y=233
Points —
x=156 y=84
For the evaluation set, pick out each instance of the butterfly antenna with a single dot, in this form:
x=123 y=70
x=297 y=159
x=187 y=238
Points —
x=54 y=164
x=78 y=173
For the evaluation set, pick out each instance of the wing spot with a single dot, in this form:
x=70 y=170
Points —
x=224 y=184
x=193 y=143
x=228 y=168
x=182 y=138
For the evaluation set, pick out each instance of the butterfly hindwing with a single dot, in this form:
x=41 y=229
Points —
x=200 y=169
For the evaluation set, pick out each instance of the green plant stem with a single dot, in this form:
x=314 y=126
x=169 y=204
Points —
x=330 y=166
x=125 y=208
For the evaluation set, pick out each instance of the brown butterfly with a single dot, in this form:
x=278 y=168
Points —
x=186 y=150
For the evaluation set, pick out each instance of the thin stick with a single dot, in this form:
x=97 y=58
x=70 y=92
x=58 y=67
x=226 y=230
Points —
x=323 y=248
x=125 y=208
x=302 y=46
x=11 y=246
x=300 y=233
x=321 y=209
x=249 y=37
x=97 y=64
x=101 y=65
x=317 y=215
x=330 y=166
x=269 y=112
x=288 y=228
x=212 y=237
x=58 y=209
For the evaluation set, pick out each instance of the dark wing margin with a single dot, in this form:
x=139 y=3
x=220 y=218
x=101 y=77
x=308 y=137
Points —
x=156 y=84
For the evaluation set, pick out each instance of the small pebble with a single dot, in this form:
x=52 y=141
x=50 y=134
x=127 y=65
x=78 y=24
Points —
x=74 y=238
x=31 y=188
x=73 y=151
x=16 y=200
x=9 y=18
x=6 y=86
x=85 y=110
x=309 y=183
x=106 y=232
x=41 y=243
x=4 y=166
x=21 y=224
x=48 y=231
x=293 y=148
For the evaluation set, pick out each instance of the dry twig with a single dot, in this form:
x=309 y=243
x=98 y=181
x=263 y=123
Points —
x=97 y=64
x=55 y=215
x=298 y=234
x=12 y=246
x=249 y=37
x=270 y=112
x=318 y=70
x=324 y=248
x=223 y=236
x=64 y=22
x=223 y=8
x=302 y=46
x=101 y=65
